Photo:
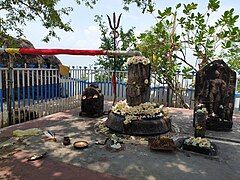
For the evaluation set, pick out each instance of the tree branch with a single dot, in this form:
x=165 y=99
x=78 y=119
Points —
x=175 y=90
x=32 y=8
x=184 y=60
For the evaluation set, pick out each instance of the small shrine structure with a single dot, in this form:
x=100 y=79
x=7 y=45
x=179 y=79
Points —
x=214 y=90
x=92 y=102
x=138 y=116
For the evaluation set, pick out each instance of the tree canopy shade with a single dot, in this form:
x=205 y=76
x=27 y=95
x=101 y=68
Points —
x=16 y=13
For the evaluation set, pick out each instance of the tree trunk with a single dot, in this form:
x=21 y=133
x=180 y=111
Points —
x=138 y=86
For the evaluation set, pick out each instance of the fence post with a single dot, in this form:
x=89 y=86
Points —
x=1 y=99
x=9 y=92
x=85 y=77
x=18 y=95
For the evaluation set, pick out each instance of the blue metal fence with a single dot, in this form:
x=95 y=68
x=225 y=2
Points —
x=160 y=92
x=27 y=93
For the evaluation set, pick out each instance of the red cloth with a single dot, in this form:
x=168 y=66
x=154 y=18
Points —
x=34 y=51
x=114 y=83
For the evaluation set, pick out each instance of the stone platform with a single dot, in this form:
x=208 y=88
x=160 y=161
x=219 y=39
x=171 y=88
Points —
x=154 y=126
x=136 y=161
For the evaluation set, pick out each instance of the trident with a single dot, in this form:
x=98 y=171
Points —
x=114 y=26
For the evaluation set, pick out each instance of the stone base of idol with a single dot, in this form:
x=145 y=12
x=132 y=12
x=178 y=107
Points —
x=217 y=124
x=153 y=126
x=212 y=151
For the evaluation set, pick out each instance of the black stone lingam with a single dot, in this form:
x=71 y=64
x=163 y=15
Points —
x=138 y=92
x=92 y=102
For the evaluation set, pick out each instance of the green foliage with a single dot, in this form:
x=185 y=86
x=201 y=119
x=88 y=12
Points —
x=16 y=13
x=187 y=72
x=173 y=34
x=183 y=29
x=145 y=5
x=19 y=12
x=160 y=45
x=232 y=56
x=106 y=76
x=87 y=3
x=102 y=76
x=126 y=41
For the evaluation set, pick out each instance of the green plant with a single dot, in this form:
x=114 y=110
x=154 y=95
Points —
x=102 y=77
x=16 y=13
x=183 y=29
x=126 y=40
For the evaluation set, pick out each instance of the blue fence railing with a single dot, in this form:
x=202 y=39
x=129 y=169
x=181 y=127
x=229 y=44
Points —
x=44 y=91
x=160 y=92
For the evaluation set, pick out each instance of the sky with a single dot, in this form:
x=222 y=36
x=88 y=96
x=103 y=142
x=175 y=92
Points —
x=86 y=34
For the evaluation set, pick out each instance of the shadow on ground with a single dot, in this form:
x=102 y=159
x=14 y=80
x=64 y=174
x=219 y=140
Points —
x=136 y=161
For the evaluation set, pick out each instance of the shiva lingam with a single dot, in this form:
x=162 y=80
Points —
x=136 y=115
x=92 y=102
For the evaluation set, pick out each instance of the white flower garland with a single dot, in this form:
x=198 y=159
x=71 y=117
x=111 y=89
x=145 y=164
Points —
x=144 y=110
x=138 y=59
x=201 y=142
